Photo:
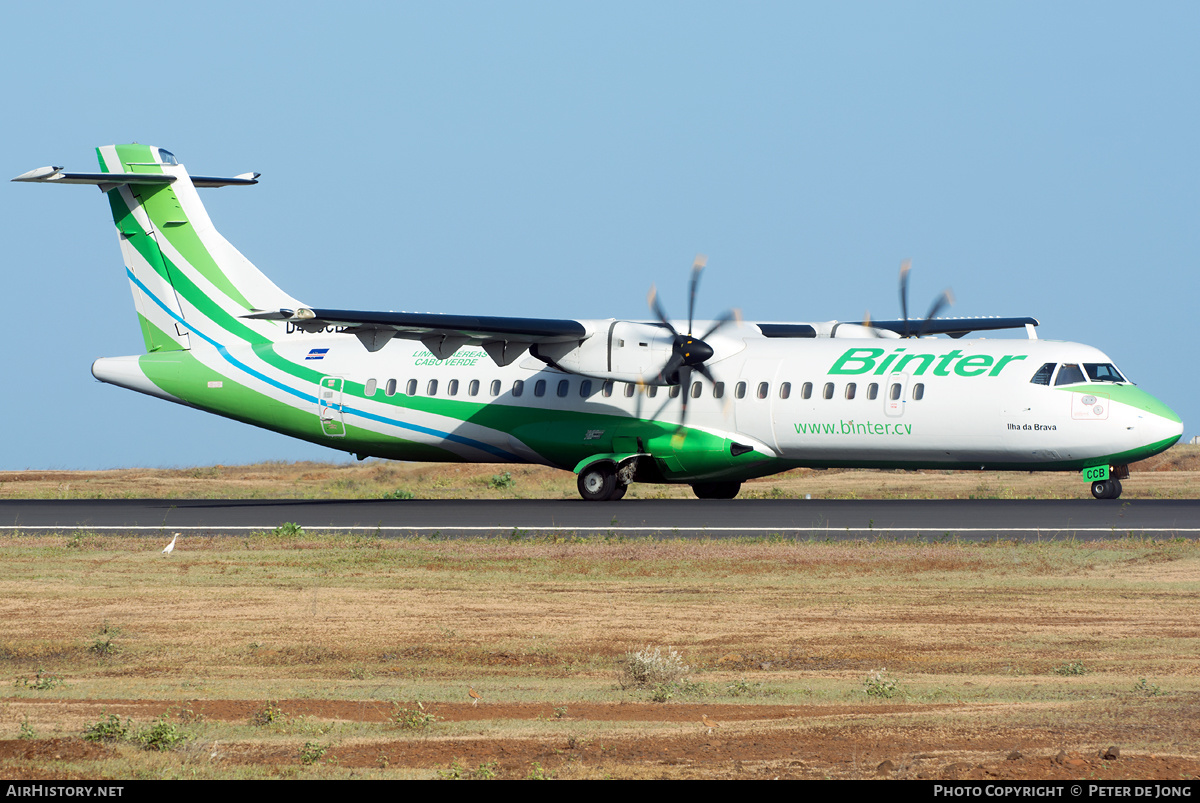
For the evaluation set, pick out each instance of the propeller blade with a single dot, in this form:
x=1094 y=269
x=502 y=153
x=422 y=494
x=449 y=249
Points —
x=905 y=267
x=657 y=309
x=946 y=298
x=731 y=315
x=707 y=374
x=685 y=392
x=671 y=367
x=697 y=269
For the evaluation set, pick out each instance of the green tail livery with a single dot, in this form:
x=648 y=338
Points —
x=707 y=403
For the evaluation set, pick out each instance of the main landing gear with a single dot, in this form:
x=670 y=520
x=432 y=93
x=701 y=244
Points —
x=599 y=483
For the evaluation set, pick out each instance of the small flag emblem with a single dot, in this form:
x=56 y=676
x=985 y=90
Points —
x=317 y=354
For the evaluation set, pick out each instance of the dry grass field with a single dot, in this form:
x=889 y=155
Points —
x=1175 y=474
x=335 y=657
x=298 y=655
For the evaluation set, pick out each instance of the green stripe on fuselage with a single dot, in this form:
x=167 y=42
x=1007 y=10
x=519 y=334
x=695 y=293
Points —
x=1129 y=395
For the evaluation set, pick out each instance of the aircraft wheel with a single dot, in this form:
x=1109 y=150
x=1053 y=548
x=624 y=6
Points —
x=598 y=483
x=618 y=492
x=716 y=490
x=1106 y=489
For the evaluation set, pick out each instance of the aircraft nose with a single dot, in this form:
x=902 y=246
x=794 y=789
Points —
x=1160 y=425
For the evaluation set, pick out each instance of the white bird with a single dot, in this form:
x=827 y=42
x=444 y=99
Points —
x=169 y=548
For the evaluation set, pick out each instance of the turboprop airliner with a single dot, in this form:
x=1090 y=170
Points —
x=615 y=401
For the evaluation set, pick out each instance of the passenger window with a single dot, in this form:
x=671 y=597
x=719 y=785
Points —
x=607 y=388
x=763 y=390
x=495 y=387
x=806 y=390
x=629 y=389
x=518 y=387
x=851 y=389
x=1069 y=374
x=719 y=390
x=473 y=388
x=431 y=388
x=785 y=390
x=564 y=386
x=673 y=392
x=873 y=391
x=390 y=388
x=918 y=391
x=585 y=388
x=697 y=389
x=894 y=392
x=828 y=390
x=411 y=388
x=739 y=390
x=539 y=388
x=369 y=390
x=651 y=390
x=452 y=388
x=1042 y=377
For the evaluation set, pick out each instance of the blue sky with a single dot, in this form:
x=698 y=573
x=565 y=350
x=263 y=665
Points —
x=555 y=159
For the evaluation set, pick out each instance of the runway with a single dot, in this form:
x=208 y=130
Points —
x=982 y=519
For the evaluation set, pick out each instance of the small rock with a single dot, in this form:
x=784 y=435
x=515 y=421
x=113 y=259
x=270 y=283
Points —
x=885 y=767
x=1015 y=756
x=1111 y=754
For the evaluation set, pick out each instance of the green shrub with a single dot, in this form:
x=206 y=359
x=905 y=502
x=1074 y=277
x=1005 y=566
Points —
x=162 y=735
x=108 y=729
x=881 y=684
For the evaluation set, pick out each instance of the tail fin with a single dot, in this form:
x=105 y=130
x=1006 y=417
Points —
x=184 y=275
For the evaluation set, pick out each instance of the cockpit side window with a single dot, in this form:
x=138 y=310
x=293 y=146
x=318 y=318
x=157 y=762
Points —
x=166 y=157
x=1103 y=372
x=1069 y=374
x=1042 y=377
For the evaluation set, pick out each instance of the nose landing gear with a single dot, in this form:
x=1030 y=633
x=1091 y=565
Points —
x=1106 y=489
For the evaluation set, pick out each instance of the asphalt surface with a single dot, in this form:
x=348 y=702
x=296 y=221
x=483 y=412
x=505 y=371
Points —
x=822 y=519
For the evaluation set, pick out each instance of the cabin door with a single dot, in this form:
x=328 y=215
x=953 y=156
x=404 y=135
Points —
x=329 y=407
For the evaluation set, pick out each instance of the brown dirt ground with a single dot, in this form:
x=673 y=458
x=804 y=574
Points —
x=750 y=742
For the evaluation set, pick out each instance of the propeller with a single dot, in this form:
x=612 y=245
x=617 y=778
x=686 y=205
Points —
x=945 y=298
x=688 y=352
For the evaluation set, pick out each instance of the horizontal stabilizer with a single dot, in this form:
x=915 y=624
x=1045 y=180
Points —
x=56 y=175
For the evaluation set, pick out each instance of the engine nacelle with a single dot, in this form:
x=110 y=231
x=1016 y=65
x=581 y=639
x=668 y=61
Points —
x=627 y=351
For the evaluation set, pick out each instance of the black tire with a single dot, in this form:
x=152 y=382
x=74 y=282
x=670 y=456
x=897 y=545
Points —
x=716 y=490
x=1106 y=489
x=598 y=483
x=618 y=492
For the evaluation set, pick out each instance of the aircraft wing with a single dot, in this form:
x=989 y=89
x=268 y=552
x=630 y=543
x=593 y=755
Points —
x=954 y=327
x=503 y=338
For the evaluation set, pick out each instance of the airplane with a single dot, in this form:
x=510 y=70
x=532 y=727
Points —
x=614 y=401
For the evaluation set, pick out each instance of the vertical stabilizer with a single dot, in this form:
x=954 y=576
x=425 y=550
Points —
x=182 y=272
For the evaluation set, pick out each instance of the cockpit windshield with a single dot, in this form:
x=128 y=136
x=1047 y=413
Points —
x=1073 y=374
x=1069 y=374
x=1103 y=372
